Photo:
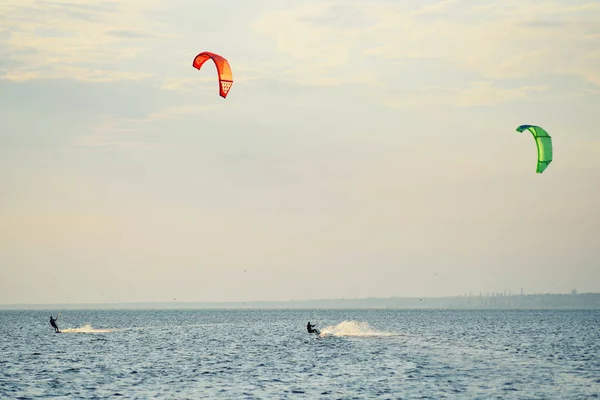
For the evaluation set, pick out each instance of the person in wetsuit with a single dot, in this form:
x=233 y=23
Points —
x=53 y=323
x=310 y=327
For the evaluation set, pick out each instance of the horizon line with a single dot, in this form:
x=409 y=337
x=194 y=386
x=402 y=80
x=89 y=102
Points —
x=231 y=302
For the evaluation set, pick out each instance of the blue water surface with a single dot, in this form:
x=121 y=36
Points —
x=267 y=354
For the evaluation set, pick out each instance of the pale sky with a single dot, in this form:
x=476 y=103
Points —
x=366 y=148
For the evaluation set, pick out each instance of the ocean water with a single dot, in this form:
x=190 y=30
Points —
x=267 y=354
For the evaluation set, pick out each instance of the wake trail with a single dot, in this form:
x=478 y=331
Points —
x=89 y=329
x=86 y=329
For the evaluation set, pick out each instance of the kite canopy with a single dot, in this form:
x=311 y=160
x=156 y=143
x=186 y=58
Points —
x=544 y=145
x=223 y=68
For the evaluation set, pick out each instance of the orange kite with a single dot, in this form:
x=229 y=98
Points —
x=223 y=68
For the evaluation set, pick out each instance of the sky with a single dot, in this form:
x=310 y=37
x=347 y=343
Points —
x=366 y=149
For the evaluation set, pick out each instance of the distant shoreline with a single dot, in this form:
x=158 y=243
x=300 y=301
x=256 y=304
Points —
x=583 y=301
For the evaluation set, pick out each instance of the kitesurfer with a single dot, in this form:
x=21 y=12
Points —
x=53 y=323
x=310 y=327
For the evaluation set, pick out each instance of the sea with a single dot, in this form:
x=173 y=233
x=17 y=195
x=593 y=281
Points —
x=268 y=354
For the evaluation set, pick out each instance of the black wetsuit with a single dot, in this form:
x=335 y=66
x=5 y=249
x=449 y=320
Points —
x=53 y=323
x=310 y=327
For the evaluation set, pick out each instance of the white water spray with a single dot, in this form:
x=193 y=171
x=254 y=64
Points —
x=352 y=328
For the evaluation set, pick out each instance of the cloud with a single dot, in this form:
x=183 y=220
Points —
x=320 y=52
x=189 y=84
x=591 y=70
x=523 y=40
x=122 y=133
x=91 y=40
x=21 y=76
x=118 y=134
x=129 y=34
x=482 y=93
x=178 y=111
x=509 y=7
x=438 y=7
x=494 y=45
x=307 y=76
x=78 y=73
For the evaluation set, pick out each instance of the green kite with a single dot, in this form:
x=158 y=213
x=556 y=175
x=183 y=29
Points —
x=544 y=145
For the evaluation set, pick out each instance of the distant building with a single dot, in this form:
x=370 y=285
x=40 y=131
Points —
x=574 y=291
